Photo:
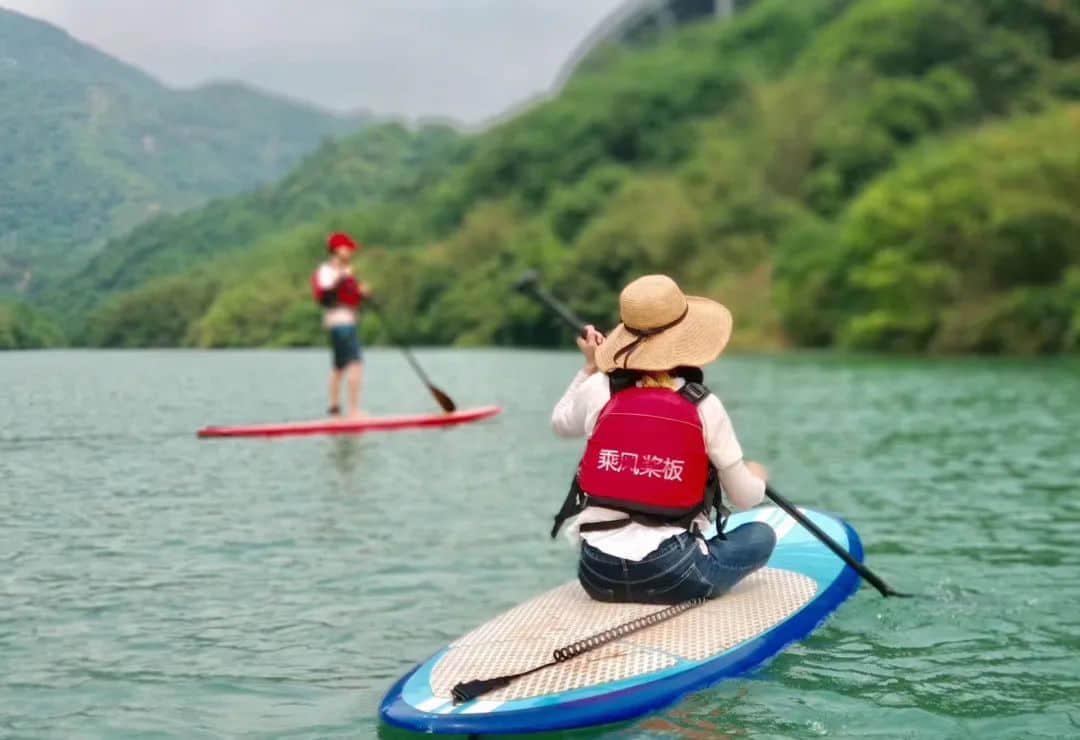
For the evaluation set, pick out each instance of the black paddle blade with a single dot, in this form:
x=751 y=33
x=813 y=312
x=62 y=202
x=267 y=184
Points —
x=469 y=690
x=444 y=400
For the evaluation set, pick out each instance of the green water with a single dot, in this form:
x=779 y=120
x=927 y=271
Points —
x=156 y=585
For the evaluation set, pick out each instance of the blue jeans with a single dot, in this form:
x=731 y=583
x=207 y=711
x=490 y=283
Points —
x=677 y=570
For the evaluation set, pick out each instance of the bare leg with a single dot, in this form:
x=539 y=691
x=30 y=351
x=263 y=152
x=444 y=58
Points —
x=355 y=378
x=335 y=387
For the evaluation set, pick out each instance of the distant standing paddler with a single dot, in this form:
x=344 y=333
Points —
x=336 y=289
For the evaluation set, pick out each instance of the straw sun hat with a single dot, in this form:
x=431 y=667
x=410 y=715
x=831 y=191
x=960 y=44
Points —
x=662 y=328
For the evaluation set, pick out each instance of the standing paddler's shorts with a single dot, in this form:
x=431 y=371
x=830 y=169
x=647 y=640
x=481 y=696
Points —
x=345 y=343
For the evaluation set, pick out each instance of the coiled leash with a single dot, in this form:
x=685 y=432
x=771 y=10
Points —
x=469 y=690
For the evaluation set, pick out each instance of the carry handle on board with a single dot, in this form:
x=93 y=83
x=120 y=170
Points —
x=529 y=284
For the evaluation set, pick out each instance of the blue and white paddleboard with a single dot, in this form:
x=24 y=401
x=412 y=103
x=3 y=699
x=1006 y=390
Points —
x=802 y=584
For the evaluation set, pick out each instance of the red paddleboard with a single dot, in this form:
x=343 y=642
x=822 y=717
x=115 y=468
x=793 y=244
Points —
x=353 y=426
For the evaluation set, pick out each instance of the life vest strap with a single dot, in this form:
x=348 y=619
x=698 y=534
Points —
x=604 y=526
x=572 y=505
x=695 y=393
x=686 y=522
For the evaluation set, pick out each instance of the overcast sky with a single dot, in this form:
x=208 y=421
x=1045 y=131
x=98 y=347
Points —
x=464 y=59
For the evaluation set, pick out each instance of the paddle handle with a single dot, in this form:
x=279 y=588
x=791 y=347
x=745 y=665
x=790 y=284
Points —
x=529 y=284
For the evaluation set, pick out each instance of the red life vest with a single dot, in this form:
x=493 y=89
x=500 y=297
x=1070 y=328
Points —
x=649 y=424
x=346 y=292
x=647 y=455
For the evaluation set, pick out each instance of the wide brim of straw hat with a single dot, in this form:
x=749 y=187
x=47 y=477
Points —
x=695 y=341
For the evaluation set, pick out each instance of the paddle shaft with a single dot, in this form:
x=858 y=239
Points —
x=883 y=588
x=528 y=284
x=415 y=365
x=445 y=402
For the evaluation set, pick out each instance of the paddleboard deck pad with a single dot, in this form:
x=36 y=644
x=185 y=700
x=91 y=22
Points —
x=800 y=586
x=353 y=426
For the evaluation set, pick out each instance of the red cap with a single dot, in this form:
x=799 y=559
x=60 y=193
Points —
x=338 y=240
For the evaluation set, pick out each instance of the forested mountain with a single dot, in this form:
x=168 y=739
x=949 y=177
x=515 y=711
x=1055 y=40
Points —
x=871 y=174
x=90 y=146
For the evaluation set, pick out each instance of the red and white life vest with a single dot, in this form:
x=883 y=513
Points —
x=346 y=292
x=647 y=455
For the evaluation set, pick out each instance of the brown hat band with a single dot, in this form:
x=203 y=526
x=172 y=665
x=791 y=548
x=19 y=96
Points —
x=640 y=335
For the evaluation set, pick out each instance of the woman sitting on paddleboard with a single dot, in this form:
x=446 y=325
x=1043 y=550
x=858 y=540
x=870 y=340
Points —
x=660 y=448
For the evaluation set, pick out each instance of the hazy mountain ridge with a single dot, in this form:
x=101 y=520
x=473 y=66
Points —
x=92 y=146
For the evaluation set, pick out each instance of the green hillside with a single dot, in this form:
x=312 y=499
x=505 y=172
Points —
x=971 y=244
x=23 y=328
x=883 y=174
x=92 y=146
x=382 y=163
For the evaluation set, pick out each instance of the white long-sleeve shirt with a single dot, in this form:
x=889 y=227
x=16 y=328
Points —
x=575 y=416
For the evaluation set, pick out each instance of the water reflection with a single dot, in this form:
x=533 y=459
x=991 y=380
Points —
x=346 y=453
